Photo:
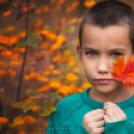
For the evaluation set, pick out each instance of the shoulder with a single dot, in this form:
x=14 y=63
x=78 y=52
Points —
x=69 y=101
x=68 y=105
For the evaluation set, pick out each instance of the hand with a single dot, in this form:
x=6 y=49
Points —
x=113 y=112
x=94 y=121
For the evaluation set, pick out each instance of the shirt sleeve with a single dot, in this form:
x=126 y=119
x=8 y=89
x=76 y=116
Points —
x=117 y=127
x=83 y=130
x=50 y=127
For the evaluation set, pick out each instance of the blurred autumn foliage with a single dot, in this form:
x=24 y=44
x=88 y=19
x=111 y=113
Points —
x=38 y=61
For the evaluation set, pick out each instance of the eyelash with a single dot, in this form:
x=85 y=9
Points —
x=94 y=52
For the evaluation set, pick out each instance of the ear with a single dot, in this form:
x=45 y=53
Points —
x=79 y=52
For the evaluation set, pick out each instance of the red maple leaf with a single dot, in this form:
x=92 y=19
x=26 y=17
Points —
x=124 y=72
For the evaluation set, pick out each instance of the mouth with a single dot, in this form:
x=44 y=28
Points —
x=103 y=81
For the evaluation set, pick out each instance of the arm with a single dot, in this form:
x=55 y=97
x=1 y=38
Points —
x=93 y=122
x=50 y=127
x=117 y=127
x=83 y=130
x=115 y=119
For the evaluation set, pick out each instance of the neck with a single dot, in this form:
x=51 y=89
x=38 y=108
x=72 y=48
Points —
x=120 y=94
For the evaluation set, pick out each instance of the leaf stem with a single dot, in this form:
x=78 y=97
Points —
x=114 y=92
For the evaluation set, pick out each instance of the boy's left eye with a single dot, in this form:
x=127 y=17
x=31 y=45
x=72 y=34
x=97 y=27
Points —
x=94 y=53
x=117 y=54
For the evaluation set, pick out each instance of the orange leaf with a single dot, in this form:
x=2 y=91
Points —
x=35 y=108
x=19 y=120
x=39 y=23
x=29 y=119
x=47 y=72
x=38 y=11
x=71 y=61
x=22 y=132
x=71 y=77
x=80 y=90
x=3 y=120
x=34 y=75
x=2 y=72
x=124 y=72
x=22 y=34
x=56 y=72
x=55 y=84
x=42 y=89
x=46 y=9
x=3 y=63
x=17 y=49
x=89 y=4
x=14 y=63
x=76 y=70
x=64 y=90
x=13 y=40
x=10 y=28
x=73 y=88
x=86 y=85
x=4 y=39
x=28 y=100
x=7 y=13
x=42 y=78
x=11 y=72
x=44 y=45
x=6 y=53
x=27 y=77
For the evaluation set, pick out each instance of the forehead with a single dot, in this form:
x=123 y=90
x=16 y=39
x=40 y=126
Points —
x=110 y=36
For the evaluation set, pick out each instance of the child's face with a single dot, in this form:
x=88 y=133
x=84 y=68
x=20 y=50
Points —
x=98 y=62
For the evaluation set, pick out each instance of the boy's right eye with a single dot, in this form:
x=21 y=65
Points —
x=90 y=53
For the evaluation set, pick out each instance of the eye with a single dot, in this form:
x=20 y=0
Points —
x=90 y=53
x=117 y=54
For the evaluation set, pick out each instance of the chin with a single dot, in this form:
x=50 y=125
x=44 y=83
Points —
x=105 y=88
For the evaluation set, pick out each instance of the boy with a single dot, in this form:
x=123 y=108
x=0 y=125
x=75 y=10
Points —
x=106 y=31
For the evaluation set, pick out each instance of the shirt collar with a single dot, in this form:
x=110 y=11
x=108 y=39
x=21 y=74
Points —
x=99 y=105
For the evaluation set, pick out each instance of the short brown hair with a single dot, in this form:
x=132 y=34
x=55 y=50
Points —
x=106 y=13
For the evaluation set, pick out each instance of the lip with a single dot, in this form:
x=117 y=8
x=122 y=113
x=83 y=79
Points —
x=103 y=81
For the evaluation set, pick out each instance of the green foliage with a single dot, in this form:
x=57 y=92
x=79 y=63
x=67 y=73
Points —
x=46 y=27
x=55 y=79
x=70 y=29
x=33 y=35
x=47 y=107
x=21 y=44
x=34 y=94
x=73 y=53
x=31 y=43
x=17 y=104
x=53 y=96
x=64 y=67
x=45 y=113
x=27 y=106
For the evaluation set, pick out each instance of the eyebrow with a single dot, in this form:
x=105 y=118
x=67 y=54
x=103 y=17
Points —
x=116 y=49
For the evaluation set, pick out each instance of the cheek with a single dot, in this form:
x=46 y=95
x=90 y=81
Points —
x=89 y=68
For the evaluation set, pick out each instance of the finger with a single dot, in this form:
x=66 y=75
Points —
x=121 y=113
x=97 y=117
x=111 y=115
x=98 y=124
x=116 y=110
x=107 y=119
x=95 y=112
x=98 y=130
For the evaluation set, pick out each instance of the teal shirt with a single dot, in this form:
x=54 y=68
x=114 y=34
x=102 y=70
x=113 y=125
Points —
x=70 y=112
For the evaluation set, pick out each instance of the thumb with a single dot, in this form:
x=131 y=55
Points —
x=106 y=118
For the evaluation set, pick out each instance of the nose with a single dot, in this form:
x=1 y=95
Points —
x=103 y=65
